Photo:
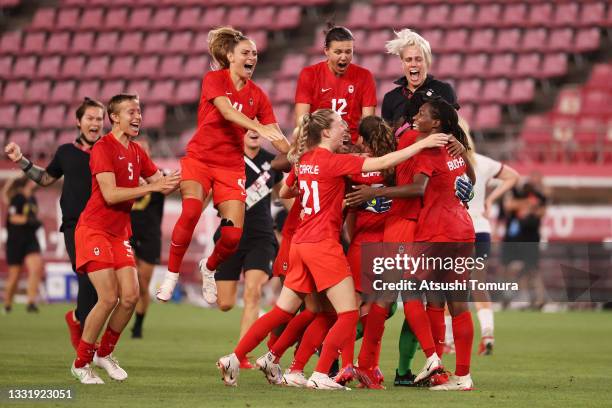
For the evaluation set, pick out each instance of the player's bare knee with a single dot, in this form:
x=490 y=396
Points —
x=108 y=301
x=225 y=306
x=252 y=294
x=129 y=300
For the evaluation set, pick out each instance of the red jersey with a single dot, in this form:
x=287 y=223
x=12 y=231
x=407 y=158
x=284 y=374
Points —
x=443 y=214
x=128 y=164
x=293 y=218
x=218 y=142
x=319 y=87
x=321 y=180
x=404 y=174
x=369 y=226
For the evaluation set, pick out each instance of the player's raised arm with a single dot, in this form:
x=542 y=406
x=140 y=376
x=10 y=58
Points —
x=34 y=172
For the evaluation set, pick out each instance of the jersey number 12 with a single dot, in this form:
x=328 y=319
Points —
x=339 y=106
x=314 y=186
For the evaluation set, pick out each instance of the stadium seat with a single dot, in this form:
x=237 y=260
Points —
x=601 y=77
x=82 y=43
x=131 y=43
x=53 y=117
x=463 y=16
x=568 y=101
x=554 y=65
x=528 y=65
x=8 y=114
x=180 y=43
x=501 y=65
x=475 y=65
x=154 y=116
x=291 y=66
x=384 y=16
x=162 y=91
x=28 y=116
x=14 y=92
x=447 y=66
x=90 y=89
x=467 y=113
x=58 y=43
x=469 y=91
x=284 y=115
x=437 y=15
x=195 y=67
x=97 y=67
x=140 y=18
x=534 y=39
x=508 y=40
x=141 y=87
x=155 y=43
x=6 y=66
x=540 y=15
x=188 y=18
x=24 y=67
x=43 y=20
x=63 y=92
x=435 y=38
x=515 y=15
x=106 y=43
x=164 y=19
x=67 y=19
x=121 y=67
x=392 y=68
x=373 y=63
x=171 y=67
x=22 y=138
x=187 y=92
x=495 y=90
x=284 y=91
x=66 y=136
x=72 y=67
x=487 y=117
x=409 y=15
x=359 y=16
x=43 y=143
x=92 y=17
x=116 y=19
x=587 y=40
x=288 y=17
x=266 y=84
x=482 y=40
x=595 y=102
x=34 y=43
x=146 y=67
x=213 y=17
x=375 y=42
x=261 y=17
x=560 y=39
x=111 y=88
x=566 y=14
x=488 y=15
x=455 y=40
x=521 y=91
x=38 y=92
x=593 y=14
x=10 y=42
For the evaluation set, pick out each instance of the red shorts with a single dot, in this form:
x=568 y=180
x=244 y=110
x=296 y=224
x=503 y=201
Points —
x=316 y=266
x=281 y=263
x=96 y=249
x=226 y=184
x=399 y=229
x=374 y=246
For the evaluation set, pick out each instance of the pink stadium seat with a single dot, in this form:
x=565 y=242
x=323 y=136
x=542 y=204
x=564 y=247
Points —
x=106 y=43
x=373 y=63
x=376 y=41
x=43 y=143
x=58 y=43
x=527 y=65
x=38 y=92
x=495 y=90
x=601 y=77
x=284 y=91
x=24 y=67
x=487 y=117
x=568 y=101
x=593 y=14
x=467 y=112
x=200 y=43
x=6 y=66
x=63 y=92
x=44 y=20
x=260 y=38
x=131 y=42
x=521 y=91
x=463 y=15
x=261 y=17
x=488 y=14
x=140 y=18
x=8 y=115
x=436 y=16
x=155 y=43
x=14 y=92
x=385 y=16
x=154 y=116
x=111 y=88
x=554 y=65
x=502 y=65
x=140 y=87
x=589 y=130
x=180 y=43
x=266 y=85
x=97 y=67
x=456 y=40
x=284 y=116
x=475 y=65
x=164 y=19
x=435 y=38
x=291 y=66
x=587 y=39
x=540 y=15
x=92 y=17
x=560 y=39
x=534 y=39
x=121 y=67
x=188 y=18
x=187 y=92
x=238 y=15
x=90 y=89
x=392 y=68
x=515 y=15
x=34 y=43
x=288 y=17
x=53 y=117
x=67 y=18
x=447 y=66
x=360 y=16
x=10 y=42
x=595 y=102
x=171 y=67
x=146 y=67
x=213 y=17
x=28 y=116
x=195 y=67
x=66 y=136
x=469 y=90
x=116 y=19
x=82 y=43
x=409 y=15
x=72 y=67
x=22 y=138
x=566 y=14
x=508 y=40
x=162 y=91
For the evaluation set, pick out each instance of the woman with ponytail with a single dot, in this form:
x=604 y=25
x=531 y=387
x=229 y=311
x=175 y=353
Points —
x=317 y=260
x=230 y=104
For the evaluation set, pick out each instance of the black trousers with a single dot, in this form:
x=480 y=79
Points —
x=87 y=296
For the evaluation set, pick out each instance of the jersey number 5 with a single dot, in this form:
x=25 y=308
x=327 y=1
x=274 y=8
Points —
x=339 y=106
x=314 y=186
x=131 y=170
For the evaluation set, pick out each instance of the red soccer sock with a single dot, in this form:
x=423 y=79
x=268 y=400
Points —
x=419 y=324
x=348 y=352
x=225 y=246
x=108 y=342
x=372 y=337
x=342 y=332
x=183 y=231
x=292 y=333
x=463 y=333
x=438 y=327
x=260 y=329
x=312 y=339
x=85 y=352
x=272 y=338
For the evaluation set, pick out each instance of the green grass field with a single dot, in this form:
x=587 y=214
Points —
x=540 y=360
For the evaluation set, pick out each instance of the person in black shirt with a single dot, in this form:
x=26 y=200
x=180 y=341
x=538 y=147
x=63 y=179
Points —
x=71 y=160
x=146 y=216
x=258 y=245
x=21 y=241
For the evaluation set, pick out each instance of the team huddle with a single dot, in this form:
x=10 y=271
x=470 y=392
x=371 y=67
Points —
x=402 y=177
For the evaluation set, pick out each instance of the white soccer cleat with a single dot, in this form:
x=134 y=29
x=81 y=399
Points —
x=321 y=381
x=230 y=369
x=111 y=365
x=165 y=290
x=456 y=383
x=293 y=378
x=209 y=286
x=86 y=375
x=433 y=364
x=271 y=370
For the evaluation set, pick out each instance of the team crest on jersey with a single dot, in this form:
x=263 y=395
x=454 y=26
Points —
x=266 y=166
x=251 y=101
x=351 y=89
x=429 y=92
x=97 y=251
x=285 y=266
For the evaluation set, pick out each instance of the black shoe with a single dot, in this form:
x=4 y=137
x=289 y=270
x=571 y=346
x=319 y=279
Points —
x=32 y=308
x=137 y=332
x=7 y=309
x=335 y=369
x=406 y=380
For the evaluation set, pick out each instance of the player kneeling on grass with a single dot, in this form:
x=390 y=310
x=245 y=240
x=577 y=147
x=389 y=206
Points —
x=102 y=247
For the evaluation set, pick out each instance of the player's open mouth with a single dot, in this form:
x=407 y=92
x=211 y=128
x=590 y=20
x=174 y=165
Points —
x=253 y=136
x=414 y=74
x=342 y=65
x=93 y=131
x=249 y=68
x=135 y=126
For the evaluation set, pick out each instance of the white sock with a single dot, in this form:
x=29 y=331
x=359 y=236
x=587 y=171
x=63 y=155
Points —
x=448 y=336
x=485 y=317
x=171 y=276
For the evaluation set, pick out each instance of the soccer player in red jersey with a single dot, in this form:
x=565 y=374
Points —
x=101 y=237
x=317 y=260
x=230 y=104
x=337 y=83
